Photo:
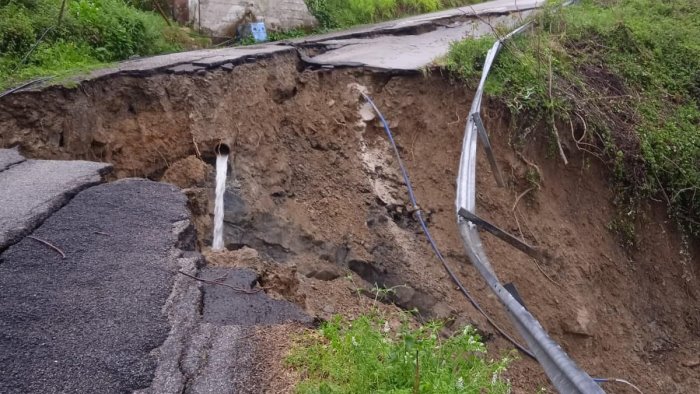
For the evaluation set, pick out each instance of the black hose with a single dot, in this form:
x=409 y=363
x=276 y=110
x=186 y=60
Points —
x=419 y=215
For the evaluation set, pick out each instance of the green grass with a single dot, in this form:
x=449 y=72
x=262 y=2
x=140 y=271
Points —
x=90 y=34
x=367 y=356
x=335 y=14
x=631 y=69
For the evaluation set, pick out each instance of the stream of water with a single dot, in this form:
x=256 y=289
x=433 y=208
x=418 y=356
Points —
x=221 y=168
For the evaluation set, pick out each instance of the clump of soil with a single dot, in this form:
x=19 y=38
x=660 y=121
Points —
x=280 y=282
x=315 y=204
x=188 y=173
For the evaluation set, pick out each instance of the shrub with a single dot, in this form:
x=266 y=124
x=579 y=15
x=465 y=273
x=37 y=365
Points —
x=91 y=32
x=117 y=31
x=16 y=31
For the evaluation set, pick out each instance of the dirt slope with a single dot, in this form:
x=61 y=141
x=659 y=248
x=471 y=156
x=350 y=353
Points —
x=315 y=195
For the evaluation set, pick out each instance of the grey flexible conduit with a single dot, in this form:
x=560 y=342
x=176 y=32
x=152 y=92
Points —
x=433 y=245
x=564 y=374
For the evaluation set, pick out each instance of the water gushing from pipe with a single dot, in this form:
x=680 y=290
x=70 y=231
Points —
x=221 y=168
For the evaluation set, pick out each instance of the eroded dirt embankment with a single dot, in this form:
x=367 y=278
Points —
x=315 y=195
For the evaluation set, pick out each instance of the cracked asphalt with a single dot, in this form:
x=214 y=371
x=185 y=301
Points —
x=87 y=323
x=407 y=44
x=92 y=300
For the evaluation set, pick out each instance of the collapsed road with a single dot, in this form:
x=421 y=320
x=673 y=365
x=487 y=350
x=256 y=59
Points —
x=117 y=311
x=139 y=302
x=78 y=322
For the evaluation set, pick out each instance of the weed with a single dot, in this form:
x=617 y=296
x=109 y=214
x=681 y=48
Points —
x=368 y=356
x=384 y=292
x=533 y=178
x=623 y=222
x=286 y=34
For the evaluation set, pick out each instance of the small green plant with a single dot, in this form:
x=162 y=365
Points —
x=384 y=293
x=286 y=34
x=368 y=356
x=533 y=178
x=623 y=227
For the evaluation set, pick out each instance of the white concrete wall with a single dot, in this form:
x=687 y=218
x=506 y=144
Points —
x=220 y=17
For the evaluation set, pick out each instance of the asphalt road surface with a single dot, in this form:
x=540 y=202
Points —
x=88 y=322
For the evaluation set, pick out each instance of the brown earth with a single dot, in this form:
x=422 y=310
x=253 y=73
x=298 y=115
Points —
x=321 y=211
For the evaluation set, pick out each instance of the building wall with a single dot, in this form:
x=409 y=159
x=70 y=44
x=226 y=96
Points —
x=220 y=18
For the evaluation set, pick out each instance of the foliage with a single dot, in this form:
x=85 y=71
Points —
x=333 y=14
x=286 y=34
x=651 y=49
x=90 y=33
x=467 y=58
x=365 y=356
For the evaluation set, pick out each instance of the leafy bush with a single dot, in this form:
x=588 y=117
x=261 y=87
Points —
x=16 y=30
x=333 y=14
x=653 y=49
x=365 y=356
x=90 y=32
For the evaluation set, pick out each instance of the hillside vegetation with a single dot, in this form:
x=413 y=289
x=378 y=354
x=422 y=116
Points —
x=50 y=37
x=621 y=78
x=334 y=14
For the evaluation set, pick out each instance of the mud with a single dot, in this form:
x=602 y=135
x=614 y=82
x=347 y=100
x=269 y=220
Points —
x=316 y=207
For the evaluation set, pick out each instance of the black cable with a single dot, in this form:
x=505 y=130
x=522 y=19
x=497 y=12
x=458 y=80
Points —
x=434 y=246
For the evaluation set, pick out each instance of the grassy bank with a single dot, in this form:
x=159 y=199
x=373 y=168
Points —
x=49 y=37
x=621 y=76
x=335 y=14
x=367 y=355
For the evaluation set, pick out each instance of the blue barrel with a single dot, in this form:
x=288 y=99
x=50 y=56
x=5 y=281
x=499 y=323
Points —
x=258 y=31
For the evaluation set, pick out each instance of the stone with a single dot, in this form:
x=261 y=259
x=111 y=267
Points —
x=326 y=274
x=403 y=295
x=185 y=69
x=691 y=363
